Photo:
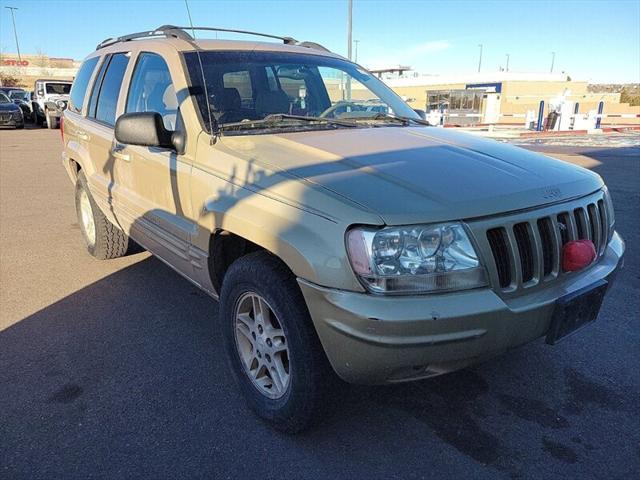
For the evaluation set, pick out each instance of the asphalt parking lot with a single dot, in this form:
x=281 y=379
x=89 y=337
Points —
x=115 y=369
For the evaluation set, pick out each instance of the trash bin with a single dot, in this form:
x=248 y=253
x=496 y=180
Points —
x=552 y=118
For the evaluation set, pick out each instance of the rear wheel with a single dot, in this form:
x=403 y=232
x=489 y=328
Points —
x=103 y=239
x=271 y=344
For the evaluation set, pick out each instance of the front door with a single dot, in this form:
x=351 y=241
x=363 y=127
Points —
x=156 y=180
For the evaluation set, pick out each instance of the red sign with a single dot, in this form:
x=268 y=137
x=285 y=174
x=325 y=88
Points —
x=15 y=63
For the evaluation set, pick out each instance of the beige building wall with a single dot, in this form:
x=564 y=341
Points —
x=519 y=96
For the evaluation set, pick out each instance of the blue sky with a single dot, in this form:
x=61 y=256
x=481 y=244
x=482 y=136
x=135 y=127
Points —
x=594 y=40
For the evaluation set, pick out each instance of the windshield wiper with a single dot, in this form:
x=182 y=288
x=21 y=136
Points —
x=387 y=116
x=277 y=119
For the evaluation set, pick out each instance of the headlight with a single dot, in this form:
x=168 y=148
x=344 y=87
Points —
x=61 y=104
x=415 y=259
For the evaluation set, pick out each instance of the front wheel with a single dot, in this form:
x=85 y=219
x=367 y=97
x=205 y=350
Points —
x=271 y=344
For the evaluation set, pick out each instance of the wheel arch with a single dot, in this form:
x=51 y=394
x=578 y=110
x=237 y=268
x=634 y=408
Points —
x=312 y=248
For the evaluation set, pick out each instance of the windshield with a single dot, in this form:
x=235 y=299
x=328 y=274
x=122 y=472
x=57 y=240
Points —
x=58 y=88
x=4 y=98
x=17 y=95
x=245 y=87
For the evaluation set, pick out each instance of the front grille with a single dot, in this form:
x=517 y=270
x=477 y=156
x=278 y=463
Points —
x=498 y=242
x=527 y=251
x=545 y=227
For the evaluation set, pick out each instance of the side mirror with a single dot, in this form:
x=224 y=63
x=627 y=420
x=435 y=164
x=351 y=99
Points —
x=421 y=113
x=143 y=128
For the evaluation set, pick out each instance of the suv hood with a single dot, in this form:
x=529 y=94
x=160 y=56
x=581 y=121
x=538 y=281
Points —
x=415 y=174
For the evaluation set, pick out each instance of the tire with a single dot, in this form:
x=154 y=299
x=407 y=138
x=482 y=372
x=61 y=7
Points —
x=107 y=240
x=19 y=127
x=52 y=122
x=311 y=380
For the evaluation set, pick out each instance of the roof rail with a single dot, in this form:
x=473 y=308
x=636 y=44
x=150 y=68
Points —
x=171 y=31
x=163 y=31
x=285 y=40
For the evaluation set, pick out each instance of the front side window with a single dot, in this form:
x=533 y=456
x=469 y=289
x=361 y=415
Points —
x=249 y=87
x=58 y=88
x=109 y=89
x=80 y=84
x=4 y=98
x=152 y=90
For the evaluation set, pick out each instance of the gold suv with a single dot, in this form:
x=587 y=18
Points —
x=343 y=236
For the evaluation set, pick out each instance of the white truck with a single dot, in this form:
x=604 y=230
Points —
x=50 y=99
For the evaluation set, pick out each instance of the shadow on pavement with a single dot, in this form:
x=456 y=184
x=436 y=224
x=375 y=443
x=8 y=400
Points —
x=127 y=378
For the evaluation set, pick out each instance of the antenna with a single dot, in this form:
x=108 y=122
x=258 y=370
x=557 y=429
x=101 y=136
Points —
x=186 y=4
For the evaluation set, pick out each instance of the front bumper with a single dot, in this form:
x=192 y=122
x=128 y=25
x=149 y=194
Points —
x=374 y=339
x=12 y=122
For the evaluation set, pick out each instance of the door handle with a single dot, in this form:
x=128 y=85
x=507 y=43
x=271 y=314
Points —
x=118 y=153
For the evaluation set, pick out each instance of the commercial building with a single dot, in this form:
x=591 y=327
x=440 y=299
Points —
x=502 y=97
x=27 y=68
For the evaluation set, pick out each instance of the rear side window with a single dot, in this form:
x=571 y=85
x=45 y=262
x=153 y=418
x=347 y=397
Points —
x=80 y=84
x=152 y=90
x=107 y=97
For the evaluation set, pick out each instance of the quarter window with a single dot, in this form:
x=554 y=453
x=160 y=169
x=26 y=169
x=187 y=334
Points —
x=93 y=100
x=110 y=89
x=152 y=90
x=80 y=84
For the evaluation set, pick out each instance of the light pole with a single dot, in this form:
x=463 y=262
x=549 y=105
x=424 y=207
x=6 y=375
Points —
x=553 y=61
x=349 y=27
x=480 y=59
x=507 y=69
x=15 y=32
x=356 y=55
x=349 y=45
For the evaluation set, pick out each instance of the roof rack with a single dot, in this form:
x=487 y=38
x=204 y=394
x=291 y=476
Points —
x=171 y=31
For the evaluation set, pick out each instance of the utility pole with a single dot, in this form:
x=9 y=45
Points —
x=480 y=59
x=553 y=61
x=507 y=69
x=349 y=44
x=349 y=27
x=356 y=55
x=15 y=32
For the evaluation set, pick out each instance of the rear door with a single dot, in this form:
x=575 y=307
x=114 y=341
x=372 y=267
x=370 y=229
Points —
x=74 y=136
x=98 y=133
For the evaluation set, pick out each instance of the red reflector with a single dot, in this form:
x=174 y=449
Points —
x=577 y=254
